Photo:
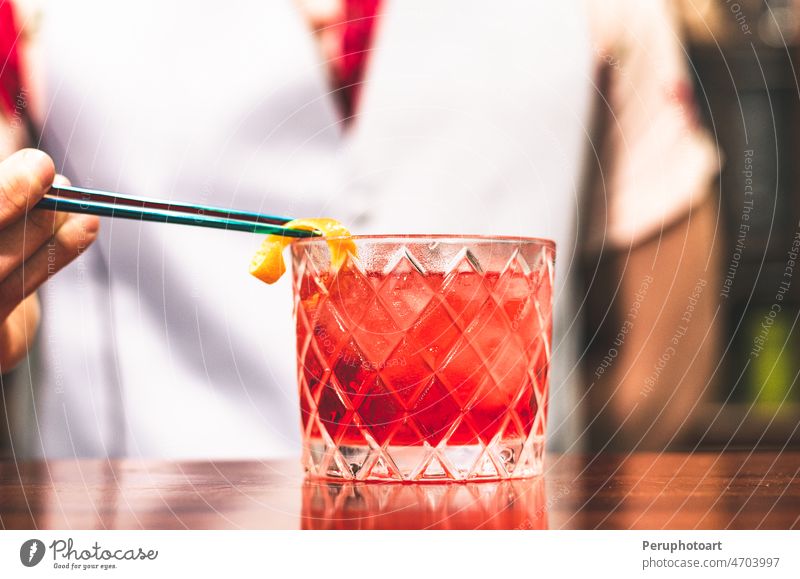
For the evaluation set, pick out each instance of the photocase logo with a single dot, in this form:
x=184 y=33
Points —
x=31 y=552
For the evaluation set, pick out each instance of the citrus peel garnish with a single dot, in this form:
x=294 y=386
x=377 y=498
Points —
x=268 y=265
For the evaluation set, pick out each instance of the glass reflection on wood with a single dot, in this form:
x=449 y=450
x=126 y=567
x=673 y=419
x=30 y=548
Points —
x=518 y=504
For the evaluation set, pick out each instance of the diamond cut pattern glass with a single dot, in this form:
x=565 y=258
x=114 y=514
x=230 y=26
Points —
x=424 y=358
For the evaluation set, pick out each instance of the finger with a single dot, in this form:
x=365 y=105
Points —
x=22 y=238
x=59 y=179
x=17 y=333
x=25 y=176
x=69 y=241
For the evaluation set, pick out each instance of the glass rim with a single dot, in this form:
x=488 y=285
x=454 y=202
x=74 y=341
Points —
x=420 y=237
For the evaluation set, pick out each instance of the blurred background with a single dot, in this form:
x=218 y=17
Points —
x=747 y=85
x=744 y=59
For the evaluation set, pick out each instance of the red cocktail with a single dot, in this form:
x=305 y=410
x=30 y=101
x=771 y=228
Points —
x=424 y=358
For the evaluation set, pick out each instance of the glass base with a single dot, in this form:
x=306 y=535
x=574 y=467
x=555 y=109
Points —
x=509 y=459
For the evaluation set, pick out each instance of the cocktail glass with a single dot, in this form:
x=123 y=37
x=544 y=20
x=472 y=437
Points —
x=424 y=358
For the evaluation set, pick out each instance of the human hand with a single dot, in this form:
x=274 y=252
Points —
x=34 y=245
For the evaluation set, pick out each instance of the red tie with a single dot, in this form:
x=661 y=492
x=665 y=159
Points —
x=10 y=78
x=356 y=31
